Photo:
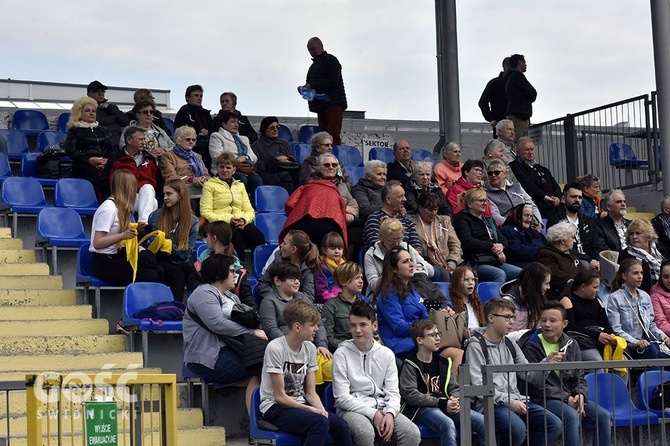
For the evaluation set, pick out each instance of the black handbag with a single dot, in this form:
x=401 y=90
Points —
x=246 y=316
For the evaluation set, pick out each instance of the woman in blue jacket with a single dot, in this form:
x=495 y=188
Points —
x=523 y=238
x=398 y=302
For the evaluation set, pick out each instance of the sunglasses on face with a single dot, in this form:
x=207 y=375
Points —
x=494 y=173
x=189 y=139
x=147 y=112
x=329 y=165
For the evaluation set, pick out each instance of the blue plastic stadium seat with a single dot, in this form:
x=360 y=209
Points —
x=77 y=194
x=348 y=155
x=59 y=228
x=302 y=151
x=609 y=391
x=5 y=168
x=48 y=138
x=30 y=122
x=444 y=289
x=17 y=144
x=381 y=154
x=270 y=199
x=285 y=133
x=621 y=155
x=86 y=279
x=169 y=123
x=29 y=169
x=488 y=290
x=270 y=225
x=422 y=155
x=306 y=132
x=646 y=385
x=138 y=296
x=63 y=118
x=261 y=255
x=355 y=173
x=22 y=196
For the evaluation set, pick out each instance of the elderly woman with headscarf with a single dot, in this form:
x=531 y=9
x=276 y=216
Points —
x=277 y=164
x=448 y=171
x=321 y=143
x=368 y=190
x=505 y=194
x=557 y=255
x=421 y=183
x=641 y=244
x=88 y=144
x=520 y=230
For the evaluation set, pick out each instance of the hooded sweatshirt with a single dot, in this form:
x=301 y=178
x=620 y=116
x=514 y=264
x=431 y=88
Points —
x=365 y=382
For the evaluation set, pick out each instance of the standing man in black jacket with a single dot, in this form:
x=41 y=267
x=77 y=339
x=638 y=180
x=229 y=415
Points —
x=493 y=102
x=520 y=96
x=108 y=114
x=325 y=77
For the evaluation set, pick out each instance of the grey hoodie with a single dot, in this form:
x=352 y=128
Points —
x=365 y=382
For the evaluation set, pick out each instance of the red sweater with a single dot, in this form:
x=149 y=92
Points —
x=145 y=173
x=461 y=186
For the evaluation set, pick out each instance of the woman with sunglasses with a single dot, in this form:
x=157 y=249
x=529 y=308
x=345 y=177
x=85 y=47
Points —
x=156 y=141
x=505 y=194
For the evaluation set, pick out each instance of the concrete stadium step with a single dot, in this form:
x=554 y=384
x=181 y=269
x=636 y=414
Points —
x=45 y=363
x=37 y=297
x=5 y=232
x=17 y=255
x=42 y=313
x=22 y=269
x=10 y=243
x=55 y=328
x=32 y=282
x=50 y=345
x=20 y=375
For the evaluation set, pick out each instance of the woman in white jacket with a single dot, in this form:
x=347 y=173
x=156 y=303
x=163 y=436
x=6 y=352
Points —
x=227 y=139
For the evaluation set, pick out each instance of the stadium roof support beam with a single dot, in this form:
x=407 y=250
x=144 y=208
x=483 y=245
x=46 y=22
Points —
x=660 y=17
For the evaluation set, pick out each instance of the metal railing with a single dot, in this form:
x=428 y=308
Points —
x=579 y=143
x=653 y=432
x=146 y=407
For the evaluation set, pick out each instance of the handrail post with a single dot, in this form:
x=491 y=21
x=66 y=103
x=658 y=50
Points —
x=571 y=148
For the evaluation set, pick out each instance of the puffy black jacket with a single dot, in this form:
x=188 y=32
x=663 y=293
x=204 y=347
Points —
x=83 y=142
x=520 y=95
x=325 y=76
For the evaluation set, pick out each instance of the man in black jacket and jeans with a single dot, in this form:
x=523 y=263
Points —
x=520 y=96
x=325 y=77
x=493 y=102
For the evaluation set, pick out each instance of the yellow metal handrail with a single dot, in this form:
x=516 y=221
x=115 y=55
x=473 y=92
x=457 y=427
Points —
x=146 y=406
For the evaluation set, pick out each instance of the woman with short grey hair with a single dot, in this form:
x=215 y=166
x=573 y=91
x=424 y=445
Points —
x=422 y=183
x=368 y=190
x=321 y=143
x=558 y=256
x=504 y=193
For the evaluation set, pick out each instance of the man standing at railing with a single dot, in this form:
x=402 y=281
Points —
x=493 y=102
x=520 y=96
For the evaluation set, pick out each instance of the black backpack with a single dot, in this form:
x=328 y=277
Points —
x=661 y=397
x=50 y=164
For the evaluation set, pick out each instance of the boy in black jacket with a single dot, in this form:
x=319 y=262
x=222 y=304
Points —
x=429 y=390
x=563 y=393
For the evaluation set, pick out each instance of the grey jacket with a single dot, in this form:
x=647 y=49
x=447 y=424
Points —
x=504 y=200
x=306 y=277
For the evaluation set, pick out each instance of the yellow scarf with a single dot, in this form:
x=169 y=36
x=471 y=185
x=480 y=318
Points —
x=331 y=264
x=616 y=353
x=132 y=250
x=159 y=243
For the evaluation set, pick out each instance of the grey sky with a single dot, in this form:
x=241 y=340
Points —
x=580 y=54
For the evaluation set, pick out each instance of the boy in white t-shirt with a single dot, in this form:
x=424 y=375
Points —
x=288 y=391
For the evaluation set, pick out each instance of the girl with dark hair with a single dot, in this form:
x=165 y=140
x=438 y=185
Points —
x=587 y=319
x=523 y=239
x=660 y=299
x=631 y=315
x=177 y=222
x=299 y=250
x=529 y=293
x=398 y=302
x=205 y=354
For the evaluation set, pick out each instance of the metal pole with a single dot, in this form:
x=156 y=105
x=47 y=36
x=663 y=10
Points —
x=447 y=73
x=660 y=17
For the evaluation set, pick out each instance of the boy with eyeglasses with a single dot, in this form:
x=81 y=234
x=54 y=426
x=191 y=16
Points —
x=511 y=409
x=429 y=390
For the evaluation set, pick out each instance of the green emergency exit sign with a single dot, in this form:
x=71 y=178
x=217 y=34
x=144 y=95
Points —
x=101 y=425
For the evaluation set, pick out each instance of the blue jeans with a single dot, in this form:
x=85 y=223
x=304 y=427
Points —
x=229 y=368
x=512 y=430
x=595 y=415
x=448 y=425
x=501 y=273
x=313 y=426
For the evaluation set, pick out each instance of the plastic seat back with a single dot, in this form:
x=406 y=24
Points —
x=261 y=255
x=277 y=438
x=5 y=168
x=138 y=296
x=444 y=289
x=285 y=133
x=381 y=154
x=17 y=144
x=270 y=225
x=84 y=259
x=302 y=151
x=59 y=223
x=306 y=132
x=355 y=173
x=170 y=124
x=609 y=391
x=63 y=118
x=20 y=191
x=270 y=199
x=422 y=155
x=48 y=138
x=646 y=385
x=348 y=155
x=30 y=122
x=488 y=290
x=75 y=193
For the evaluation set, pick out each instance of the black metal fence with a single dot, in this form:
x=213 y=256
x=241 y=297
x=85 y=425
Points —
x=582 y=143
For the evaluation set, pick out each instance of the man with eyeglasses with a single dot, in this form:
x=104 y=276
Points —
x=536 y=179
x=588 y=244
x=504 y=194
x=108 y=114
x=514 y=414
